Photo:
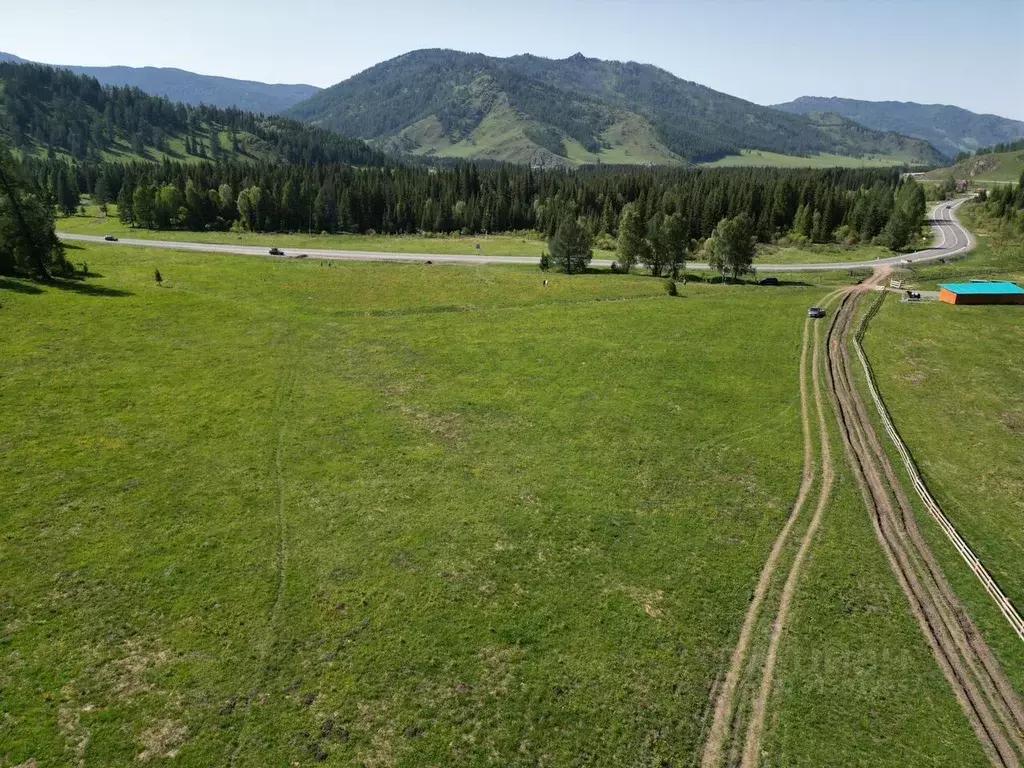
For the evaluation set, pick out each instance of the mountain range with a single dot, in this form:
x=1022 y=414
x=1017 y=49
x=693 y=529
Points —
x=194 y=89
x=574 y=111
x=579 y=111
x=951 y=130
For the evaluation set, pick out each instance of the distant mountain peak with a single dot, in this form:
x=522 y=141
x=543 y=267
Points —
x=948 y=128
x=192 y=88
x=572 y=111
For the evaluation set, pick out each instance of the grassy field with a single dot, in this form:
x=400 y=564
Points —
x=406 y=515
x=392 y=514
x=819 y=254
x=755 y=157
x=856 y=683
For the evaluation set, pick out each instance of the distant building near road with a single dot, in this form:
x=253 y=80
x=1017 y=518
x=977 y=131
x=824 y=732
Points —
x=981 y=293
x=961 y=186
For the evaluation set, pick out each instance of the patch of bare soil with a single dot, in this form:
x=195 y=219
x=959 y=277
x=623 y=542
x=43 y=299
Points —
x=162 y=740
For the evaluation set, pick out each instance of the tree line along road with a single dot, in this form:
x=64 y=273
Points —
x=951 y=240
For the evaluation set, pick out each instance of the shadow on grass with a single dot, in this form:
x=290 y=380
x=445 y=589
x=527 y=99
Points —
x=86 y=289
x=72 y=285
x=18 y=286
x=780 y=282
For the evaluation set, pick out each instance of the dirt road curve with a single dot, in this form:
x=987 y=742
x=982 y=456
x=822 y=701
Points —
x=981 y=687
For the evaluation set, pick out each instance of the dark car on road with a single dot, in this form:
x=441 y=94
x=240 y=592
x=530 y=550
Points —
x=110 y=239
x=815 y=312
x=276 y=252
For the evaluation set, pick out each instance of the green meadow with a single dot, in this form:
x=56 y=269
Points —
x=278 y=513
x=523 y=244
x=389 y=514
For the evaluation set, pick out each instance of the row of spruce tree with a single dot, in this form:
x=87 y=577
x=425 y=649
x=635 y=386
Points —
x=821 y=206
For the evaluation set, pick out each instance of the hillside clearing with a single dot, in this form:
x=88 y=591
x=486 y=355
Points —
x=758 y=158
x=995 y=167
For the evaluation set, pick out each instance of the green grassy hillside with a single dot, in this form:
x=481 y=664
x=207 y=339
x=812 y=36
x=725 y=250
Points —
x=571 y=112
x=757 y=158
x=994 y=167
x=504 y=134
x=230 y=145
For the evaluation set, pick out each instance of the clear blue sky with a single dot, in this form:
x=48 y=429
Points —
x=965 y=52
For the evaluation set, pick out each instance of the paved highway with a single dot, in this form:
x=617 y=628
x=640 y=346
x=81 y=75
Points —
x=951 y=240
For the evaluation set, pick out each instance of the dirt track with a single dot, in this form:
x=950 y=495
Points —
x=725 y=702
x=753 y=742
x=988 y=699
x=986 y=696
x=728 y=724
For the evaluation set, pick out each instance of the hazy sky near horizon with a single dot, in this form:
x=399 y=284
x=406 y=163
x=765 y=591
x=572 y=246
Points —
x=962 y=52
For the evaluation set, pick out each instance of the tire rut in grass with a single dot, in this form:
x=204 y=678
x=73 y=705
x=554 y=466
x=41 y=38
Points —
x=282 y=404
x=756 y=727
x=975 y=677
x=740 y=706
x=723 y=721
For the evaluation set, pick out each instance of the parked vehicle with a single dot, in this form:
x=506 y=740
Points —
x=815 y=312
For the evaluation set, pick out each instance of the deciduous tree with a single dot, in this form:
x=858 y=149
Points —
x=731 y=248
x=633 y=247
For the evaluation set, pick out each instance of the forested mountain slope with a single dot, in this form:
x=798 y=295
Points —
x=949 y=129
x=569 y=112
x=53 y=111
x=192 y=88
